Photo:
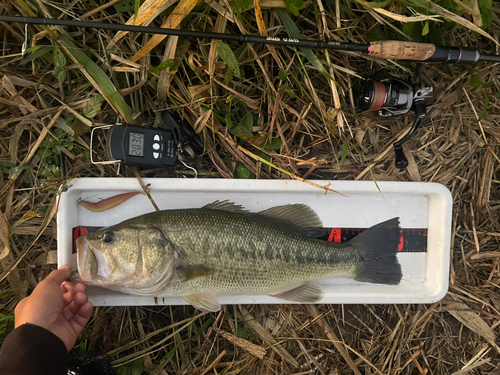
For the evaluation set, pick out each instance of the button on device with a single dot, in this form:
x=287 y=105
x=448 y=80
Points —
x=156 y=138
x=156 y=146
x=156 y=155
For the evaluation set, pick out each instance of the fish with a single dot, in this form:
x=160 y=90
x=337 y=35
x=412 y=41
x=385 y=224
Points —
x=223 y=249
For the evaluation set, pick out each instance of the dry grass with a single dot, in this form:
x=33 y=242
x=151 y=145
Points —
x=314 y=118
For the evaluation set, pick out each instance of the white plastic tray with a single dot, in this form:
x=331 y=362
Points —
x=419 y=205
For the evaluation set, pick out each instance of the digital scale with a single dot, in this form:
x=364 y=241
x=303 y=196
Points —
x=149 y=147
x=137 y=146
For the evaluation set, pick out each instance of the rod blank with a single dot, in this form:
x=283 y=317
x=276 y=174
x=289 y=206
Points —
x=193 y=34
x=390 y=49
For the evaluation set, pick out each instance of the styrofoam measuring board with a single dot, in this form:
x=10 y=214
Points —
x=418 y=205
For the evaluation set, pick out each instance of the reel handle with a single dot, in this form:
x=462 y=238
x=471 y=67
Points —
x=420 y=115
x=401 y=160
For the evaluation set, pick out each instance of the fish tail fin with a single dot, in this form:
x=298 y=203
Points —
x=378 y=247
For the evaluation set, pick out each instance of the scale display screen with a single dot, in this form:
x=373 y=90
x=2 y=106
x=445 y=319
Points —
x=136 y=144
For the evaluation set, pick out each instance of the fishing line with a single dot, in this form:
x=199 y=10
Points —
x=390 y=50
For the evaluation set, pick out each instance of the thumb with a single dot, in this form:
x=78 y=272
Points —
x=59 y=276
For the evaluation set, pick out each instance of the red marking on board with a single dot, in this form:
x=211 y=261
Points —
x=401 y=241
x=335 y=235
x=79 y=231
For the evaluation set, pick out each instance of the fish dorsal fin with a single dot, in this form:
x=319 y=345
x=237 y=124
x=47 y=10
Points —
x=194 y=271
x=203 y=302
x=306 y=293
x=298 y=214
x=225 y=206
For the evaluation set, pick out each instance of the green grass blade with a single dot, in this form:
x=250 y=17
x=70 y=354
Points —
x=35 y=52
x=294 y=33
x=382 y=4
x=98 y=78
x=136 y=8
x=163 y=362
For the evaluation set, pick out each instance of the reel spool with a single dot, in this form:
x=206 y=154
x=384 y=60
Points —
x=394 y=97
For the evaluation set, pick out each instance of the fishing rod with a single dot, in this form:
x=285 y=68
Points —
x=390 y=50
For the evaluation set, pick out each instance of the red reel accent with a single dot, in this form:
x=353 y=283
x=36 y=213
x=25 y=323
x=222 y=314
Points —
x=379 y=95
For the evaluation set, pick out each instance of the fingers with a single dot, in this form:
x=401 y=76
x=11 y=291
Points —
x=78 y=299
x=66 y=286
x=69 y=311
x=79 y=288
x=59 y=276
x=82 y=317
x=70 y=290
x=85 y=312
x=78 y=316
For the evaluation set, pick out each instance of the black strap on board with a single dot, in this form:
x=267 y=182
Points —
x=413 y=240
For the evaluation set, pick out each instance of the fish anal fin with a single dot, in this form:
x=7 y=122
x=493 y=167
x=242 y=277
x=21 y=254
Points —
x=194 y=271
x=300 y=215
x=306 y=293
x=225 y=206
x=203 y=302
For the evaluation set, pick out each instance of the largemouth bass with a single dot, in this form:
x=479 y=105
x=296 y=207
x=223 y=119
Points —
x=222 y=249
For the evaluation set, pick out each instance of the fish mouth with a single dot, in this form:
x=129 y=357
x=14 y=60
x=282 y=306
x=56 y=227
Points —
x=82 y=250
x=75 y=277
x=91 y=263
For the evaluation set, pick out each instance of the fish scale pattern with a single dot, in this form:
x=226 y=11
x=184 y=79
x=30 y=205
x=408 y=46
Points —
x=248 y=253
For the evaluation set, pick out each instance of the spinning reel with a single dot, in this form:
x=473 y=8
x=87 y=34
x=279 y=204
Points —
x=394 y=97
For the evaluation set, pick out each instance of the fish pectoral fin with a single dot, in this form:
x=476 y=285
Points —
x=204 y=302
x=194 y=271
x=305 y=293
x=297 y=214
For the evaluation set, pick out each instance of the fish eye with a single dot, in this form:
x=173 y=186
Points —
x=108 y=237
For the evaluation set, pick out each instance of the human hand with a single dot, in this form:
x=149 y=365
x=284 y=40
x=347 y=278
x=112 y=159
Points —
x=62 y=309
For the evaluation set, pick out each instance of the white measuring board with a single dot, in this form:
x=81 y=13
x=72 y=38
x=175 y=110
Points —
x=417 y=204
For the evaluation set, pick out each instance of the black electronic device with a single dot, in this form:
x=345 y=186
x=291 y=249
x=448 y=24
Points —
x=395 y=97
x=149 y=147
x=141 y=146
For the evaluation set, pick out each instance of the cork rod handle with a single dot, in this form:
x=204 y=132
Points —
x=395 y=50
